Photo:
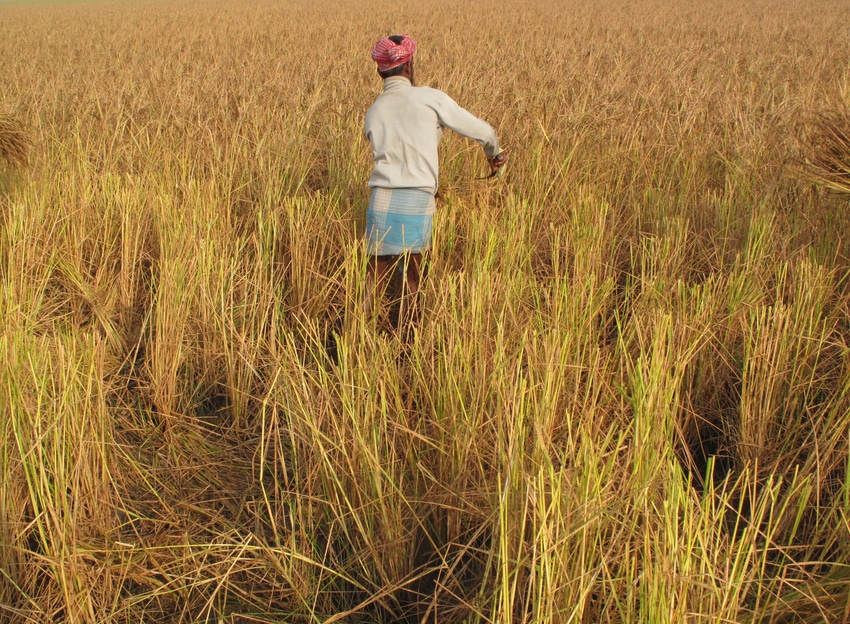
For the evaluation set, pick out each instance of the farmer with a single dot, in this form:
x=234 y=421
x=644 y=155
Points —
x=404 y=126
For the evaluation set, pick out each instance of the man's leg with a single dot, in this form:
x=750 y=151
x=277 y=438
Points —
x=378 y=273
x=412 y=272
x=414 y=267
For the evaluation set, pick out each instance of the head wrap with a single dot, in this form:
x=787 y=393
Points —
x=388 y=54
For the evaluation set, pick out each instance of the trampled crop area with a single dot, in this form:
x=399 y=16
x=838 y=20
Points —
x=628 y=396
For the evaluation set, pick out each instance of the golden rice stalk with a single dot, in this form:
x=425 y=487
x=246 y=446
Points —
x=825 y=158
x=13 y=142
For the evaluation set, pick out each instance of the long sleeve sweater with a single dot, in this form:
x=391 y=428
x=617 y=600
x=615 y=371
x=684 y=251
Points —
x=405 y=125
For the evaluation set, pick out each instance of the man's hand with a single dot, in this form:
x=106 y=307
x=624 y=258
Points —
x=498 y=161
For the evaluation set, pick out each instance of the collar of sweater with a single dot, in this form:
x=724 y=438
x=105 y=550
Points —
x=396 y=83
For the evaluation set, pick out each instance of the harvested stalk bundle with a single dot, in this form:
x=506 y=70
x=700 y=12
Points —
x=13 y=143
x=825 y=158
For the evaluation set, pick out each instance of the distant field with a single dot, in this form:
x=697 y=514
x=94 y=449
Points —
x=628 y=399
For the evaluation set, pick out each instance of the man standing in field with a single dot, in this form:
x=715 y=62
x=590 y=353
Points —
x=404 y=126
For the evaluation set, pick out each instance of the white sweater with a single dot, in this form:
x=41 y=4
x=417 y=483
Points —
x=404 y=126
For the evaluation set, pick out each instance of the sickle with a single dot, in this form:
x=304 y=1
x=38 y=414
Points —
x=492 y=173
x=497 y=171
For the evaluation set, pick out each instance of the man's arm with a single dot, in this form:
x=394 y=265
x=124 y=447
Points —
x=465 y=123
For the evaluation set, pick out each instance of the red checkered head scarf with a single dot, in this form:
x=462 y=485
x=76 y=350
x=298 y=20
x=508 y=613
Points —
x=389 y=54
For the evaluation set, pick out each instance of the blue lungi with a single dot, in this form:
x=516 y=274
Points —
x=399 y=221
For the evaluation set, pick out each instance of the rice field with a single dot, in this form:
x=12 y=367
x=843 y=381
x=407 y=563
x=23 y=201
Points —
x=627 y=398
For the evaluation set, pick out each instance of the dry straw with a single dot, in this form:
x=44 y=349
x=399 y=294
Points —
x=825 y=140
x=13 y=142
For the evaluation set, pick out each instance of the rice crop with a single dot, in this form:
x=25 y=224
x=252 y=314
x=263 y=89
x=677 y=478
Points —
x=627 y=398
x=13 y=143
x=826 y=150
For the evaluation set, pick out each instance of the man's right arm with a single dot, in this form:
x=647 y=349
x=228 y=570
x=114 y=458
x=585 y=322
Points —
x=452 y=116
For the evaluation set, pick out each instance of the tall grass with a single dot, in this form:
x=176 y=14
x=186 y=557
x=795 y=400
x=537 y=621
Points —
x=626 y=400
x=13 y=142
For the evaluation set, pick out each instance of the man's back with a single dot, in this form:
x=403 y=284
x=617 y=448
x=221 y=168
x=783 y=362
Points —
x=404 y=126
x=404 y=131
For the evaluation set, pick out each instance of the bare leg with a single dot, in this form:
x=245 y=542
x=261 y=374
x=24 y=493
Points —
x=413 y=271
x=378 y=273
